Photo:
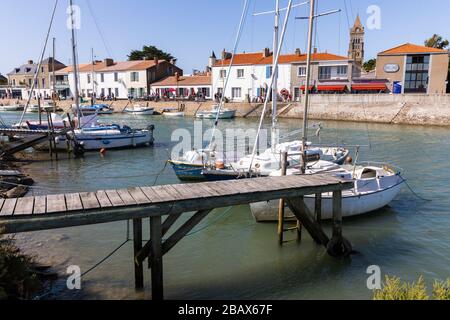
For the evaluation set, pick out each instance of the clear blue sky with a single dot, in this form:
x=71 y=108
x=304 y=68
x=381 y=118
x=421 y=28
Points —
x=191 y=29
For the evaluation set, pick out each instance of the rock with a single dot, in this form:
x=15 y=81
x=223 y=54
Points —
x=17 y=192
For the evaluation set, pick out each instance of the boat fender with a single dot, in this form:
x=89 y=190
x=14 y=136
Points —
x=102 y=151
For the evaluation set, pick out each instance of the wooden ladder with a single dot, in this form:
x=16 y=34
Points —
x=282 y=218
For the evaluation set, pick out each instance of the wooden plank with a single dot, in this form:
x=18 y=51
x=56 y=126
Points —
x=208 y=189
x=138 y=196
x=126 y=197
x=114 y=197
x=103 y=199
x=24 y=206
x=156 y=259
x=56 y=203
x=8 y=207
x=189 y=191
x=151 y=194
x=89 y=200
x=137 y=246
x=73 y=202
x=173 y=192
x=40 y=205
x=1 y=203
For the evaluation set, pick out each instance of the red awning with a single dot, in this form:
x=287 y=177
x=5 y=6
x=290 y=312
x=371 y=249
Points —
x=303 y=88
x=369 y=87
x=336 y=87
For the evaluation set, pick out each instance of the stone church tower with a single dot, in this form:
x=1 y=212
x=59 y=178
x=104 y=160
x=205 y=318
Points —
x=356 y=47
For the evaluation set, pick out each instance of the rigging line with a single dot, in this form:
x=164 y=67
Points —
x=238 y=37
x=105 y=44
x=414 y=192
x=36 y=75
x=351 y=10
x=272 y=80
x=346 y=13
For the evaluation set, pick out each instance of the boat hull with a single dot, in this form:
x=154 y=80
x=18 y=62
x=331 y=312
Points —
x=229 y=114
x=173 y=114
x=352 y=204
x=146 y=112
x=188 y=171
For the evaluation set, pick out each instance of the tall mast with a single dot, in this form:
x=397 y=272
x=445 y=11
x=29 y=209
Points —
x=308 y=76
x=93 y=77
x=75 y=63
x=274 y=133
x=54 y=76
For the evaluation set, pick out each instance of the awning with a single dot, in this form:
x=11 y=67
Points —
x=303 y=88
x=369 y=87
x=335 y=87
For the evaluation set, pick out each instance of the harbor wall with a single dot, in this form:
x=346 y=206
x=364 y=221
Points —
x=414 y=109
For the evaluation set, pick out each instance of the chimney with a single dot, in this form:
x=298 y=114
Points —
x=155 y=59
x=266 y=52
x=108 y=62
x=298 y=52
x=30 y=62
x=315 y=50
x=173 y=61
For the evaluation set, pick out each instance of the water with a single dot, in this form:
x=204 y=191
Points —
x=232 y=257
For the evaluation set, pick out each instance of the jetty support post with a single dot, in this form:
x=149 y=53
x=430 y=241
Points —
x=338 y=246
x=281 y=205
x=138 y=267
x=318 y=209
x=156 y=261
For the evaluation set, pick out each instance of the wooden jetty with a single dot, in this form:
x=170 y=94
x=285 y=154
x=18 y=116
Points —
x=171 y=202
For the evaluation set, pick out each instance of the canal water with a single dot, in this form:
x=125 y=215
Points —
x=229 y=256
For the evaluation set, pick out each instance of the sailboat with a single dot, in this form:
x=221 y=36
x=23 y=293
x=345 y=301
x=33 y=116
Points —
x=140 y=110
x=97 y=136
x=216 y=112
x=375 y=185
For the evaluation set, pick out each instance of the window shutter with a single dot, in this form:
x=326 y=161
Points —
x=268 y=72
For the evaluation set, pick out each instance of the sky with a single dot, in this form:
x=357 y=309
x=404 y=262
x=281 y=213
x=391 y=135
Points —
x=191 y=29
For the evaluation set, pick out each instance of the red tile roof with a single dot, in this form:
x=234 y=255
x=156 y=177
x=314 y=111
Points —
x=185 y=81
x=258 y=58
x=116 y=66
x=411 y=48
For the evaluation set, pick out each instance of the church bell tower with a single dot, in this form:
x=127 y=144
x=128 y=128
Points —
x=356 y=47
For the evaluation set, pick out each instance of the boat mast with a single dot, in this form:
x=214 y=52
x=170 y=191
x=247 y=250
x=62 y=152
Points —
x=75 y=63
x=308 y=76
x=274 y=133
x=93 y=77
x=54 y=77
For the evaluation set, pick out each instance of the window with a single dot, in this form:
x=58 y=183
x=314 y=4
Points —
x=236 y=92
x=116 y=77
x=324 y=73
x=416 y=75
x=88 y=78
x=134 y=76
x=116 y=92
x=223 y=74
x=43 y=82
x=103 y=92
x=302 y=71
x=240 y=73
x=268 y=72
x=341 y=71
x=205 y=92
x=14 y=82
x=42 y=69
x=29 y=82
x=102 y=77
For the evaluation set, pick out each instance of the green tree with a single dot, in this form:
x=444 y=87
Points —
x=436 y=41
x=150 y=53
x=370 y=65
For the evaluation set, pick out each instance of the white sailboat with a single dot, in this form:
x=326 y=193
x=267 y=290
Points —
x=375 y=185
x=216 y=113
x=140 y=110
x=102 y=137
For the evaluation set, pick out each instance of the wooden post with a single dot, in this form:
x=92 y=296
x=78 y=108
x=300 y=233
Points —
x=337 y=214
x=338 y=246
x=138 y=267
x=318 y=208
x=281 y=206
x=156 y=258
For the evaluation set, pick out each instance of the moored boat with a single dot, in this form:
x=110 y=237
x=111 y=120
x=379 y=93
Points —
x=216 y=113
x=140 y=110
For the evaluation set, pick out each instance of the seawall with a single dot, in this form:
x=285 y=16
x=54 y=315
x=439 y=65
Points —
x=412 y=109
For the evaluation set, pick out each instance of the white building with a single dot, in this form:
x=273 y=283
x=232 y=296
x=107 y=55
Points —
x=251 y=73
x=184 y=87
x=119 y=80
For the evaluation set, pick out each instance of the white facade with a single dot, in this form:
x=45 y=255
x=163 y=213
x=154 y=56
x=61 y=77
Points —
x=119 y=84
x=248 y=82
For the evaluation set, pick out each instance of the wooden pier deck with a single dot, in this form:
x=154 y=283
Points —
x=171 y=201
